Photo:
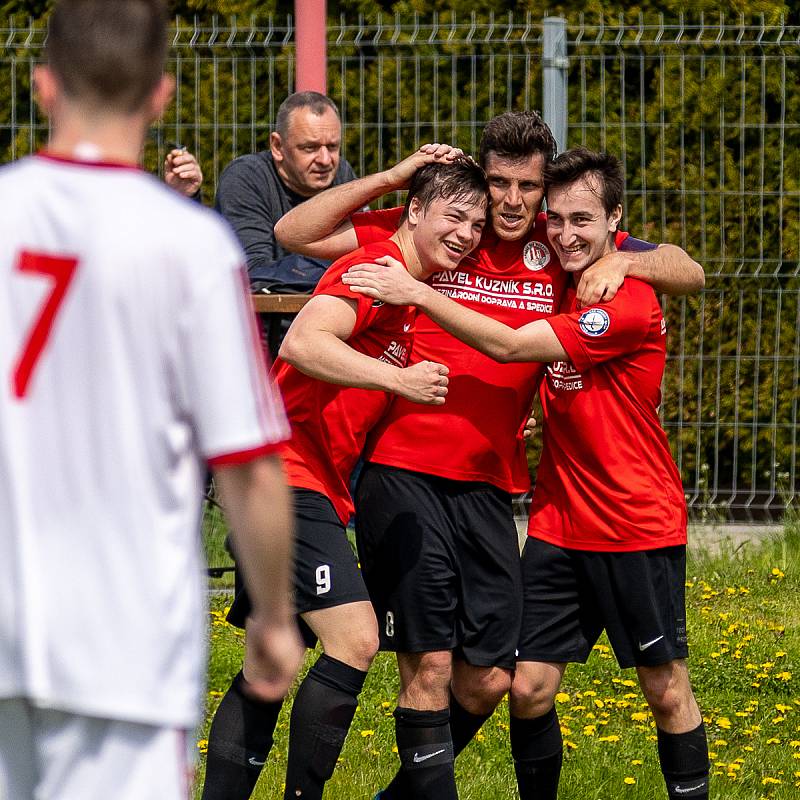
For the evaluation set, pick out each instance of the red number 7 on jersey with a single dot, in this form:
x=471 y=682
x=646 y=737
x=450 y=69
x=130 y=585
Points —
x=61 y=269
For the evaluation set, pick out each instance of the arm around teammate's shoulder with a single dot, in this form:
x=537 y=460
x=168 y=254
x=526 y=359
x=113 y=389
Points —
x=316 y=344
x=320 y=226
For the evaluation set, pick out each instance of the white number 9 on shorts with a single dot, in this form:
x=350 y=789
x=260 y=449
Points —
x=323 y=579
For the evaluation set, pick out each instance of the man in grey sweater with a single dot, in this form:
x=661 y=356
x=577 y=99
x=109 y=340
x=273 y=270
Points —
x=256 y=190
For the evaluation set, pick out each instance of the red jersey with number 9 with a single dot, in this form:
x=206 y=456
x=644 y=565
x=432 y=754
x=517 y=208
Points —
x=330 y=423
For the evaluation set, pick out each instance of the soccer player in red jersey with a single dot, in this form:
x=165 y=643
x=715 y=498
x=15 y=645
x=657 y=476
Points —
x=607 y=533
x=342 y=360
x=462 y=460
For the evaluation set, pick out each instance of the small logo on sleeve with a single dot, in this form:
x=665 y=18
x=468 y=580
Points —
x=594 y=322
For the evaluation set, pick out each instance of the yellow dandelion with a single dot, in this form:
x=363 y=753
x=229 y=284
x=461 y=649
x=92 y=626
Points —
x=639 y=716
x=367 y=733
x=784 y=676
x=613 y=738
x=637 y=762
x=724 y=722
x=589 y=730
x=773 y=740
x=770 y=781
x=629 y=779
x=562 y=697
x=720 y=743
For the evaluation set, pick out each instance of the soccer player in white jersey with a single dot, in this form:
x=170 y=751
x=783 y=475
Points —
x=128 y=361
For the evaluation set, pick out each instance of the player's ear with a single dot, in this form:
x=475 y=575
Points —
x=276 y=146
x=614 y=218
x=161 y=96
x=46 y=87
x=414 y=211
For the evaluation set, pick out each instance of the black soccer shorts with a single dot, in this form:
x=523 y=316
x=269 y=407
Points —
x=571 y=596
x=441 y=561
x=326 y=571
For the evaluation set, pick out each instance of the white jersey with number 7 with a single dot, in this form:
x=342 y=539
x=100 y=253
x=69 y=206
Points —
x=128 y=360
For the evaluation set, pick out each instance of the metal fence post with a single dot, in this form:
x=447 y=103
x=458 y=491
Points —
x=554 y=77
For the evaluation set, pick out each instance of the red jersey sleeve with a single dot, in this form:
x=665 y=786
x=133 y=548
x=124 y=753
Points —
x=599 y=333
x=331 y=283
x=375 y=226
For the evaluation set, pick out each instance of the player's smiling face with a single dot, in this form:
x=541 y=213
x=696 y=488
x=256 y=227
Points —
x=446 y=231
x=578 y=226
x=308 y=157
x=516 y=186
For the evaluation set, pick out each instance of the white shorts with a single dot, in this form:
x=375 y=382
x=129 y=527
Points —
x=53 y=755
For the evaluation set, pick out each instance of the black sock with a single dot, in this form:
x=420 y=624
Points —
x=426 y=755
x=684 y=762
x=464 y=724
x=463 y=727
x=321 y=715
x=238 y=744
x=537 y=749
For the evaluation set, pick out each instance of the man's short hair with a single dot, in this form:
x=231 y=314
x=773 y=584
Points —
x=110 y=53
x=574 y=164
x=318 y=103
x=457 y=180
x=516 y=135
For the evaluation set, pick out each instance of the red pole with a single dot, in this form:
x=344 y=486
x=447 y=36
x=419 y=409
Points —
x=310 y=39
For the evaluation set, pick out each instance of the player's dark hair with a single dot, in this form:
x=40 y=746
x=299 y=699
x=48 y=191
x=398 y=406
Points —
x=574 y=164
x=458 y=180
x=316 y=102
x=108 y=52
x=516 y=135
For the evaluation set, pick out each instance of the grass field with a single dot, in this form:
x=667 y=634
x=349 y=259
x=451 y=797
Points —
x=744 y=628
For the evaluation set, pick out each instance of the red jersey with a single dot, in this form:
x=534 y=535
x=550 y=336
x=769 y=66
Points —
x=330 y=422
x=477 y=434
x=606 y=480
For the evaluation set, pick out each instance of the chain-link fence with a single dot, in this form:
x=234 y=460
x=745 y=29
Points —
x=705 y=115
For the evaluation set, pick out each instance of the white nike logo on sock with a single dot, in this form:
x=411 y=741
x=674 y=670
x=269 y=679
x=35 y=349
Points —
x=418 y=758
x=678 y=790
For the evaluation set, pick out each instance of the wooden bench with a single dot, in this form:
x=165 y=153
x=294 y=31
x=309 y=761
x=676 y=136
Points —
x=279 y=303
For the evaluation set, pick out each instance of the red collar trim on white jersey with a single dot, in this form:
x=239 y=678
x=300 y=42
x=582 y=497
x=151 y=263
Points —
x=44 y=154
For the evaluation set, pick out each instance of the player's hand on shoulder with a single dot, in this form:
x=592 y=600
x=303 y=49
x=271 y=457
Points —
x=386 y=279
x=274 y=656
x=402 y=172
x=601 y=281
x=182 y=172
x=424 y=383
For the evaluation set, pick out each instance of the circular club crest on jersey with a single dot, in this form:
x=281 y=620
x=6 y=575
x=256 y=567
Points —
x=536 y=256
x=594 y=322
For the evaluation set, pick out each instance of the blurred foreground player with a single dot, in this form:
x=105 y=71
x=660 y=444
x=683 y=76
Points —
x=127 y=362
